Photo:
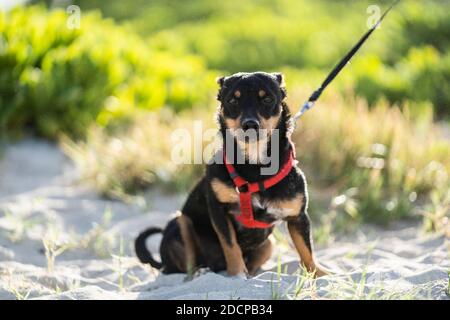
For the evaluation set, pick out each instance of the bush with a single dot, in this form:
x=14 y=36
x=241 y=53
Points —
x=419 y=24
x=265 y=36
x=59 y=80
x=407 y=59
x=423 y=75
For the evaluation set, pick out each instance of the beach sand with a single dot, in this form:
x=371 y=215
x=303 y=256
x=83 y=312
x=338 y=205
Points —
x=61 y=240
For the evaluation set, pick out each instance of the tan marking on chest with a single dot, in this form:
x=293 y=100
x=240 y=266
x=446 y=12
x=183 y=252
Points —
x=224 y=193
x=280 y=208
x=286 y=208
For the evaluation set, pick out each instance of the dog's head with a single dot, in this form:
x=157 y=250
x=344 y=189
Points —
x=251 y=101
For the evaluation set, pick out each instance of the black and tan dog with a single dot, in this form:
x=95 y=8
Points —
x=208 y=232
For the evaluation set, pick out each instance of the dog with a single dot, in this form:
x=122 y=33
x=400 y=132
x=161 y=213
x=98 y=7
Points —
x=228 y=217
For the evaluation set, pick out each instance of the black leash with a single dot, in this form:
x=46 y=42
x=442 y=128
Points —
x=316 y=94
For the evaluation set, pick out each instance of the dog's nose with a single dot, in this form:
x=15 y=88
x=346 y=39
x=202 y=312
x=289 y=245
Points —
x=250 y=124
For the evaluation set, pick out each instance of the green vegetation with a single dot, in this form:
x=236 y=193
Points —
x=117 y=88
x=383 y=162
x=58 y=80
x=407 y=59
x=130 y=159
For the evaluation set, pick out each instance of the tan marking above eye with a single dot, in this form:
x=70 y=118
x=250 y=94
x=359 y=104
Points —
x=261 y=93
x=224 y=192
x=237 y=94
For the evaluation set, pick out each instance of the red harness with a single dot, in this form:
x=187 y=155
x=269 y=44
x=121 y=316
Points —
x=245 y=190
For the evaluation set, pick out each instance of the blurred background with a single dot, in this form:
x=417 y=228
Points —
x=110 y=87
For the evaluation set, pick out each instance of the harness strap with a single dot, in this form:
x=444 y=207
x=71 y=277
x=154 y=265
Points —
x=246 y=189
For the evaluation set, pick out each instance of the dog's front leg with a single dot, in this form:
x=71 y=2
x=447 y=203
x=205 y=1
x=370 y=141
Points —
x=300 y=231
x=227 y=237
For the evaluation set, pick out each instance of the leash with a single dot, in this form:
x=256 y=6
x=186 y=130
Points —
x=316 y=94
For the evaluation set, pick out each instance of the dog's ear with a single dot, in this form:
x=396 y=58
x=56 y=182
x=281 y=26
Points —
x=220 y=81
x=280 y=79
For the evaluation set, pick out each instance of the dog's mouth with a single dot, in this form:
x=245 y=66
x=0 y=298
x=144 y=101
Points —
x=250 y=135
x=254 y=130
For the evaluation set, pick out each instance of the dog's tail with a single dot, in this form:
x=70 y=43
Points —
x=142 y=252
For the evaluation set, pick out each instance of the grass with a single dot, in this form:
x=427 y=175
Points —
x=120 y=269
x=20 y=295
x=98 y=240
x=302 y=280
x=448 y=285
x=277 y=282
x=126 y=162
x=397 y=155
x=19 y=225
x=54 y=247
x=343 y=287
x=16 y=284
x=382 y=162
x=436 y=213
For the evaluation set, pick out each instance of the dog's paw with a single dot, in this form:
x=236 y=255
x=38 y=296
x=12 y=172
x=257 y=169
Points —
x=201 y=271
x=196 y=274
x=321 y=272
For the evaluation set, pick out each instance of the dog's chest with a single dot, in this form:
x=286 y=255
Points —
x=265 y=208
x=271 y=210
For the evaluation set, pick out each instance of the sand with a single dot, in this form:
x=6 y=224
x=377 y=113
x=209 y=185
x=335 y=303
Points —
x=45 y=211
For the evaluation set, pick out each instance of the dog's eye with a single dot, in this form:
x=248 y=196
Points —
x=267 y=100
x=233 y=101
